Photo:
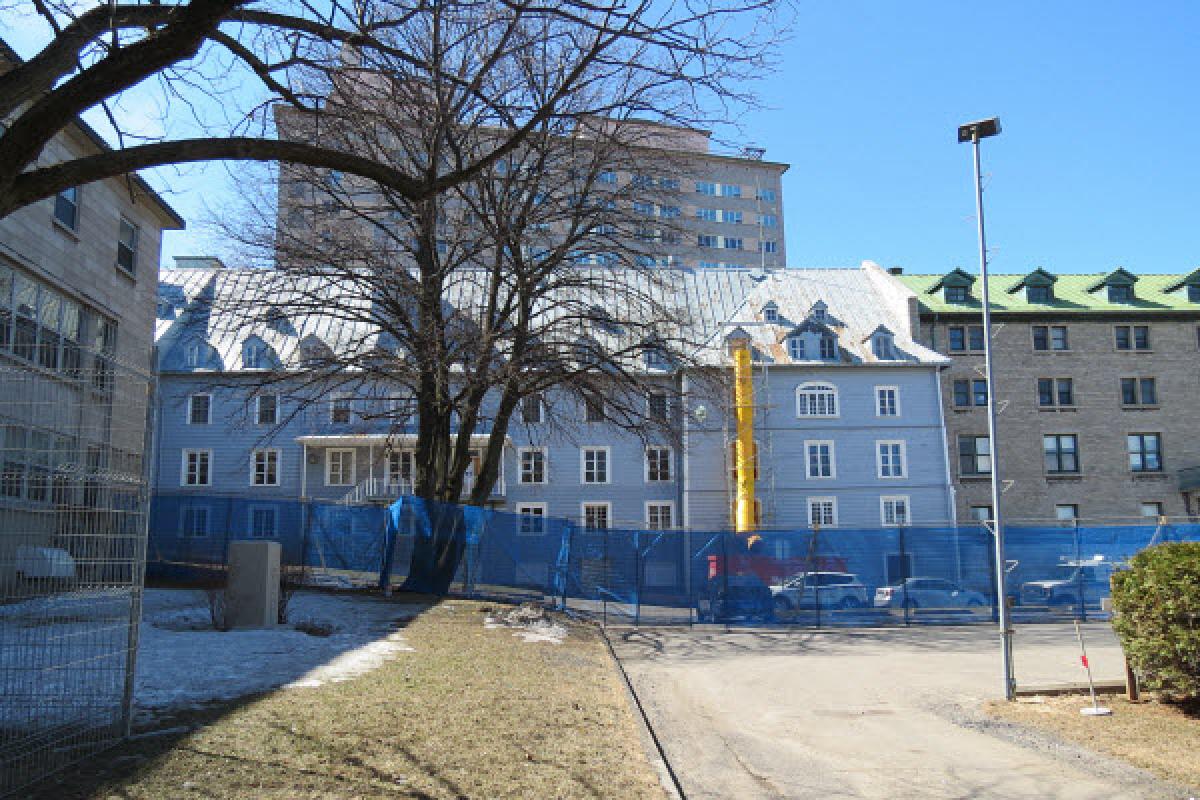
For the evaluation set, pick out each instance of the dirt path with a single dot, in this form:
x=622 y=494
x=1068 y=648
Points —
x=887 y=714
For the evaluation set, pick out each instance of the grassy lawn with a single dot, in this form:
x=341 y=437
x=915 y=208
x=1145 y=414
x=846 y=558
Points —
x=1158 y=737
x=470 y=713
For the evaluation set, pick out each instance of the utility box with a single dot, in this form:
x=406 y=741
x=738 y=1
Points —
x=252 y=594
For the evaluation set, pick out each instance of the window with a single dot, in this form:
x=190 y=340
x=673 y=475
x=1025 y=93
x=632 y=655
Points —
x=771 y=221
x=706 y=214
x=1132 y=337
x=883 y=348
x=657 y=406
x=263 y=523
x=974 y=455
x=193 y=355
x=828 y=347
x=962 y=338
x=706 y=187
x=890 y=459
x=254 y=354
x=822 y=511
x=795 y=346
x=1193 y=292
x=266 y=409
x=266 y=468
x=767 y=195
x=531 y=519
x=1038 y=294
x=969 y=393
x=1061 y=453
x=197 y=466
x=193 y=522
x=820 y=459
x=1120 y=294
x=1152 y=509
x=596 y=515
x=770 y=313
x=339 y=410
x=733 y=217
x=66 y=207
x=401 y=469
x=200 y=409
x=607 y=177
x=1049 y=337
x=660 y=516
x=956 y=294
x=1145 y=452
x=768 y=246
x=531 y=409
x=669 y=183
x=595 y=464
x=593 y=409
x=816 y=400
x=1056 y=392
x=887 y=401
x=731 y=242
x=706 y=240
x=1066 y=512
x=533 y=464
x=339 y=467
x=893 y=511
x=670 y=212
x=1139 y=392
x=731 y=190
x=127 y=246
x=981 y=513
x=658 y=464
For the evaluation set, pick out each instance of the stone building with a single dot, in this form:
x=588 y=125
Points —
x=1097 y=379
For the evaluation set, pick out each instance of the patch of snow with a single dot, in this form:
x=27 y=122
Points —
x=530 y=623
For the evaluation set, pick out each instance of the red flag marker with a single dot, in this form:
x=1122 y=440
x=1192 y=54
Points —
x=1083 y=660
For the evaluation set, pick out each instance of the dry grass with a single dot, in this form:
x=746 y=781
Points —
x=1155 y=736
x=471 y=713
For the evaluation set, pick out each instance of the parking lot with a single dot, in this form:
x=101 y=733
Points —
x=866 y=713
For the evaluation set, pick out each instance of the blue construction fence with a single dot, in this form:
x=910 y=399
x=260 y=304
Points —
x=801 y=577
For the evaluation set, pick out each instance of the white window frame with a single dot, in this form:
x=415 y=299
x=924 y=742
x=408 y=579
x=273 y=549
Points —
x=521 y=451
x=267 y=452
x=823 y=499
x=258 y=410
x=605 y=504
x=131 y=270
x=879 y=390
x=183 y=512
x=251 y=511
x=333 y=408
x=669 y=505
x=818 y=388
x=895 y=498
x=796 y=350
x=76 y=205
x=583 y=451
x=1158 y=512
x=329 y=465
x=832 y=459
x=395 y=477
x=670 y=464
x=191 y=403
x=880 y=443
x=183 y=472
x=523 y=511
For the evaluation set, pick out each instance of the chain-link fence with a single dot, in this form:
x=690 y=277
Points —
x=73 y=512
x=806 y=578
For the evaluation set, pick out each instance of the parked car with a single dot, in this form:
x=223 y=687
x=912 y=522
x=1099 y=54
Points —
x=728 y=597
x=825 y=589
x=928 y=593
x=1070 y=581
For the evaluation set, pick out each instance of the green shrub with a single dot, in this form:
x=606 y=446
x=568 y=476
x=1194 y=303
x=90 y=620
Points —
x=1157 y=605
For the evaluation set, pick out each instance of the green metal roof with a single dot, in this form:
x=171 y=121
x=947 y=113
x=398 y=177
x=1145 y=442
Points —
x=1072 y=294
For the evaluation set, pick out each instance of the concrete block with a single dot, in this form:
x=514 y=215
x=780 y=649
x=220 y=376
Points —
x=252 y=594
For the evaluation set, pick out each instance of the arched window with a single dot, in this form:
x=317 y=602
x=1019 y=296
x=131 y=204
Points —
x=816 y=400
x=795 y=346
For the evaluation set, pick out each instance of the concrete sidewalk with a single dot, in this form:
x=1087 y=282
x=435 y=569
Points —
x=867 y=714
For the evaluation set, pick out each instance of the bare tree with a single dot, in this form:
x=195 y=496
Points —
x=538 y=278
x=222 y=65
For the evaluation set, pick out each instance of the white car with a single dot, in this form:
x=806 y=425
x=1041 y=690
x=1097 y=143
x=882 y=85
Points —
x=928 y=593
x=828 y=589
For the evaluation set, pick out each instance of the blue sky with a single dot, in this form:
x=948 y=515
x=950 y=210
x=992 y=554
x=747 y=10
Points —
x=1097 y=166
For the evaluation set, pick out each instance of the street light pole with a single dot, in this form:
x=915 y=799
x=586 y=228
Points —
x=972 y=132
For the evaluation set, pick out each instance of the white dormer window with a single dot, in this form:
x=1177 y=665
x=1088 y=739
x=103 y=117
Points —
x=884 y=348
x=818 y=311
x=828 y=347
x=770 y=313
x=816 y=400
x=194 y=354
x=254 y=354
x=795 y=346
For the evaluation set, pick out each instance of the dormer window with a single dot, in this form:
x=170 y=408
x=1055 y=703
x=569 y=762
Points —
x=795 y=346
x=770 y=313
x=818 y=311
x=194 y=354
x=1038 y=294
x=1194 y=293
x=256 y=354
x=883 y=348
x=828 y=347
x=1118 y=293
x=956 y=294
